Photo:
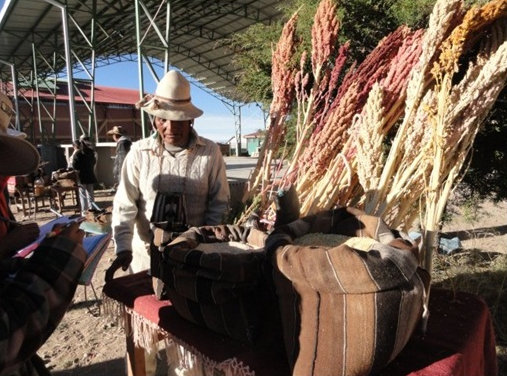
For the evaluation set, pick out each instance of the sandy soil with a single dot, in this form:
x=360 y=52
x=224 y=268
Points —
x=484 y=227
x=88 y=342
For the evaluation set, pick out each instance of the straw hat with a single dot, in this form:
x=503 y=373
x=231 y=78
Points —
x=117 y=129
x=171 y=100
x=17 y=156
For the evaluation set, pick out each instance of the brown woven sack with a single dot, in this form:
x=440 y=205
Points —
x=345 y=311
x=213 y=282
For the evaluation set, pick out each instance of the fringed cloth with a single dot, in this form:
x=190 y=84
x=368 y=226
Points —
x=198 y=349
x=460 y=339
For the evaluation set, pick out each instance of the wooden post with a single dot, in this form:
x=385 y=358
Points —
x=135 y=355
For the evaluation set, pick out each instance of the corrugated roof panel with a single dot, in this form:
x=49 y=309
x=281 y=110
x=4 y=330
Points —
x=198 y=28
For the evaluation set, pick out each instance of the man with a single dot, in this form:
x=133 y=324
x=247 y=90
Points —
x=123 y=144
x=34 y=292
x=175 y=162
x=83 y=160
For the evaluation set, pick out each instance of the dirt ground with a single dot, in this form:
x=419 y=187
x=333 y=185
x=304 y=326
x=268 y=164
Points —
x=483 y=227
x=88 y=342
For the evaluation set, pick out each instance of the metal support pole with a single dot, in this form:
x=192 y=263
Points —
x=14 y=92
x=167 y=37
x=68 y=64
x=235 y=109
x=265 y=115
x=164 y=39
x=36 y=80
x=92 y=120
x=237 y=127
x=15 y=96
x=140 y=66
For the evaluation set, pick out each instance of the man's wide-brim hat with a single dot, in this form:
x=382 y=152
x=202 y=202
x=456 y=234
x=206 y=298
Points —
x=171 y=100
x=117 y=129
x=17 y=156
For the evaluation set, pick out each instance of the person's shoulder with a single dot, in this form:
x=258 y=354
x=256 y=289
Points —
x=143 y=144
x=79 y=154
x=203 y=141
x=208 y=146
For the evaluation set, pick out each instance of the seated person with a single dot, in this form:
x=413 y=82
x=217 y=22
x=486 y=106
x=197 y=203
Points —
x=34 y=292
x=34 y=295
x=13 y=147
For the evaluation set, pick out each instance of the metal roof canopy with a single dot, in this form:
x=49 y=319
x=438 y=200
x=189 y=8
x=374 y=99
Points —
x=43 y=39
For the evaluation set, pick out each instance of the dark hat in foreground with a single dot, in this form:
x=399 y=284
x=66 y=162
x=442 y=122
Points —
x=17 y=156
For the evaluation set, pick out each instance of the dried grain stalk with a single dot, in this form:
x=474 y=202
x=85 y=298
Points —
x=325 y=75
x=444 y=17
x=329 y=136
x=457 y=124
x=282 y=78
x=394 y=63
x=406 y=75
x=368 y=139
x=324 y=36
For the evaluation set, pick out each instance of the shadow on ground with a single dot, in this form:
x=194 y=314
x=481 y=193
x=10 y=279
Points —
x=111 y=367
x=482 y=232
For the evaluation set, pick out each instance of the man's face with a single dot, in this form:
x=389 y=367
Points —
x=173 y=132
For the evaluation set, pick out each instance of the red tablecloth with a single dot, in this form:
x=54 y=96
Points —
x=459 y=340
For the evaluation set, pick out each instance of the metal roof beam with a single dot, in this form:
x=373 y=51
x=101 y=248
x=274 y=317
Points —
x=193 y=31
x=201 y=60
x=30 y=31
x=223 y=7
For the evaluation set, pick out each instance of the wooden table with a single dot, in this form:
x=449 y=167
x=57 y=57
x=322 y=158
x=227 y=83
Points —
x=60 y=192
x=459 y=340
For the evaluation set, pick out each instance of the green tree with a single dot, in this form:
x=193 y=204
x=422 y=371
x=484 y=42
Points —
x=253 y=55
x=486 y=176
x=253 y=50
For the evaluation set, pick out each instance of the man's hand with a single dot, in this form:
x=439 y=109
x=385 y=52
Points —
x=71 y=231
x=123 y=260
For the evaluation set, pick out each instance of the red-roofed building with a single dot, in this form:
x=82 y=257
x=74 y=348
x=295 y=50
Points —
x=53 y=134
x=113 y=106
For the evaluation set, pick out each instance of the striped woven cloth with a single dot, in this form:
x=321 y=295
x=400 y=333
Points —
x=345 y=311
x=214 y=277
